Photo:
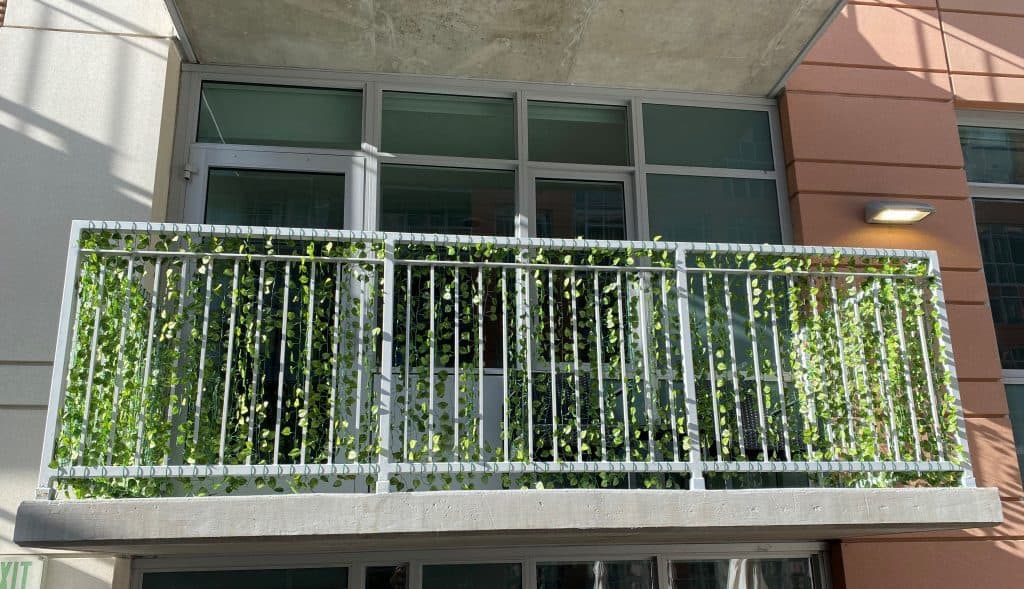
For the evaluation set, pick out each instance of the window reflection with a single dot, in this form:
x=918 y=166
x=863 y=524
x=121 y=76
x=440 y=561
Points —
x=387 y=577
x=745 y=573
x=568 y=209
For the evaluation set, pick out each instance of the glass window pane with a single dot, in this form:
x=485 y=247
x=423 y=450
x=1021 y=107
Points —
x=1015 y=399
x=463 y=126
x=267 y=198
x=280 y=115
x=623 y=574
x=447 y=200
x=993 y=155
x=787 y=573
x=707 y=137
x=578 y=133
x=1001 y=236
x=275 y=199
x=387 y=577
x=472 y=576
x=700 y=208
x=571 y=208
x=329 y=578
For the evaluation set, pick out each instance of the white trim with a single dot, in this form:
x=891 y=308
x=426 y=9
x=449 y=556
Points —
x=527 y=556
x=990 y=118
x=983 y=190
x=202 y=158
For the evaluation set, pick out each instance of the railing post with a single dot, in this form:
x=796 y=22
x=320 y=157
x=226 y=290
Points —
x=61 y=360
x=387 y=328
x=949 y=365
x=690 y=382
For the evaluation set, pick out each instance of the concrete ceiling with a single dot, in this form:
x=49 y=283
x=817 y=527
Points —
x=723 y=46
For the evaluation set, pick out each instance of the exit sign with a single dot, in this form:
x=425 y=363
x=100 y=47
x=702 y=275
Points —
x=21 y=572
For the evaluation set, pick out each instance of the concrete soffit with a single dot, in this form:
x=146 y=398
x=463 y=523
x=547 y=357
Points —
x=735 y=47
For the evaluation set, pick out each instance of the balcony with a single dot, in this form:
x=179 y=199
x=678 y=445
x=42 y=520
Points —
x=214 y=360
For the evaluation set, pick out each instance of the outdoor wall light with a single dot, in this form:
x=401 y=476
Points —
x=896 y=212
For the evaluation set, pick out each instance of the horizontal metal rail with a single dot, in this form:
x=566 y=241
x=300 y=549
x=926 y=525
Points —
x=201 y=358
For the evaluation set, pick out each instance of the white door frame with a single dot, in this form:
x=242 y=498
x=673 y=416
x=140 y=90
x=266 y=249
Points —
x=202 y=157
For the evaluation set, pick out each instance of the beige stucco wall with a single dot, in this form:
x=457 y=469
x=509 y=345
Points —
x=85 y=90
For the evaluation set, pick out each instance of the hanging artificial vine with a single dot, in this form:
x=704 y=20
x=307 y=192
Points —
x=205 y=352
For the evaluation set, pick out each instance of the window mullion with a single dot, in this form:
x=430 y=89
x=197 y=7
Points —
x=526 y=209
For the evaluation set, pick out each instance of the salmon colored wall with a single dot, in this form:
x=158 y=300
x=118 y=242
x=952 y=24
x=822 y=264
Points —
x=870 y=114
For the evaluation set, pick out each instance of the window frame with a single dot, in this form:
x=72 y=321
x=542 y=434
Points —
x=373 y=85
x=527 y=556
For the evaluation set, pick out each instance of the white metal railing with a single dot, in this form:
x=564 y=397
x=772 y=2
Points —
x=193 y=358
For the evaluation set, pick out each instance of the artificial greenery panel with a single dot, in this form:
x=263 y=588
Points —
x=211 y=351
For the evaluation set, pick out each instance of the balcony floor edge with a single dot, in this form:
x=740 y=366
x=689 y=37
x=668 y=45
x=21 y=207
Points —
x=349 y=522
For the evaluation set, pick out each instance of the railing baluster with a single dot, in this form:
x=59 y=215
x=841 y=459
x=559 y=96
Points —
x=480 y=362
x=141 y=424
x=893 y=434
x=335 y=366
x=431 y=375
x=407 y=391
x=554 y=367
x=577 y=383
x=705 y=279
x=620 y=294
x=841 y=341
x=387 y=327
x=361 y=356
x=666 y=314
x=780 y=382
x=227 y=366
x=643 y=308
x=734 y=364
x=254 y=393
x=202 y=354
x=686 y=354
x=93 y=347
x=304 y=418
x=863 y=371
x=504 y=365
x=905 y=356
x=756 y=358
x=456 y=355
x=809 y=410
x=926 y=360
x=281 y=361
x=119 y=364
x=600 y=365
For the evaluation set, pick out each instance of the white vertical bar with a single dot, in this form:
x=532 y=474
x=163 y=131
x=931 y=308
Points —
x=61 y=360
x=808 y=410
x=387 y=384
x=780 y=382
x=523 y=300
x=620 y=294
x=926 y=358
x=734 y=364
x=480 y=361
x=756 y=357
x=227 y=366
x=554 y=367
x=361 y=356
x=141 y=423
x=576 y=367
x=457 y=353
x=119 y=366
x=600 y=366
x=408 y=359
x=644 y=287
x=430 y=388
x=712 y=373
x=863 y=371
x=93 y=344
x=202 y=351
x=908 y=385
x=182 y=334
x=667 y=321
x=816 y=320
x=690 y=382
x=309 y=361
x=253 y=394
x=892 y=435
x=281 y=359
x=335 y=361
x=504 y=363
x=841 y=340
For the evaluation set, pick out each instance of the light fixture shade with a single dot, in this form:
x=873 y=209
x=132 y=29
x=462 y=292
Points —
x=896 y=212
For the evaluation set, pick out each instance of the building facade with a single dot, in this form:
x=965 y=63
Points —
x=526 y=294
